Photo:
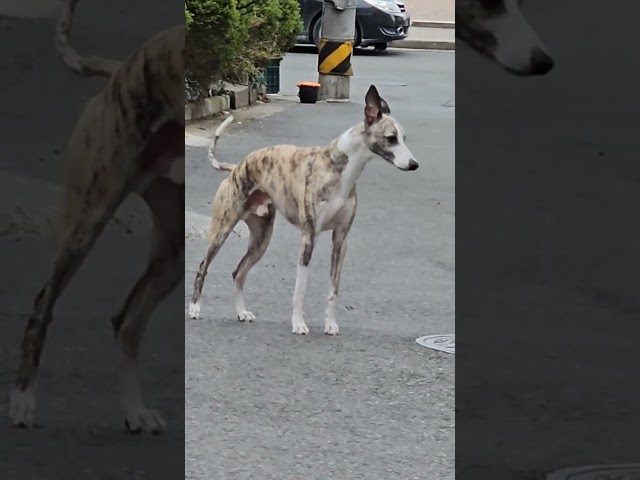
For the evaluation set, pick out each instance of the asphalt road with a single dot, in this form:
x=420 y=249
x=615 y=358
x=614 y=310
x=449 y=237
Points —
x=547 y=252
x=262 y=403
x=82 y=434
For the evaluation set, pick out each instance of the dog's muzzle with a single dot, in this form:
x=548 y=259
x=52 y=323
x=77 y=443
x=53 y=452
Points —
x=541 y=62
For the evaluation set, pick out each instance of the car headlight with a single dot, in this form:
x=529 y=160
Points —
x=388 y=6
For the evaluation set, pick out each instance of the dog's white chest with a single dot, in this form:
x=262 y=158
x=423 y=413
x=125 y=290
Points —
x=335 y=212
x=176 y=171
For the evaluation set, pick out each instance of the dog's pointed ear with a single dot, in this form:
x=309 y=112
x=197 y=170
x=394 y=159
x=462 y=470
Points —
x=373 y=106
x=385 y=106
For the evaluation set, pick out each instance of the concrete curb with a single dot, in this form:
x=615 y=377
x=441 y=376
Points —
x=433 y=24
x=428 y=35
x=206 y=108
x=239 y=96
x=424 y=45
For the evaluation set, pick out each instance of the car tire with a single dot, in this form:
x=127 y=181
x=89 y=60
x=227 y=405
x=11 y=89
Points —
x=358 y=38
x=380 y=47
x=314 y=31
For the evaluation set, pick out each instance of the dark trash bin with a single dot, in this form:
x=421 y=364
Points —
x=308 y=92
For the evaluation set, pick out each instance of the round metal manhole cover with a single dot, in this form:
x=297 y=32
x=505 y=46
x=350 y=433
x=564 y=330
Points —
x=442 y=343
x=599 y=472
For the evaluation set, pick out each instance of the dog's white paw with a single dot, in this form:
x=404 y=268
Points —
x=144 y=420
x=246 y=316
x=194 y=310
x=331 y=328
x=299 y=328
x=22 y=407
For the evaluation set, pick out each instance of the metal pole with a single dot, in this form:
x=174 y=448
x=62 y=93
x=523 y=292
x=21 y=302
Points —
x=338 y=31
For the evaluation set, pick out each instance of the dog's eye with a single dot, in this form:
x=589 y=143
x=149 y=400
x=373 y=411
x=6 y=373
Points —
x=392 y=138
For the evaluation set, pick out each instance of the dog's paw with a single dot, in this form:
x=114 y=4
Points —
x=144 y=420
x=299 y=328
x=331 y=328
x=194 y=310
x=246 y=316
x=22 y=407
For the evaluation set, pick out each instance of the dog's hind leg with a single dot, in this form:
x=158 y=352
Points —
x=224 y=219
x=163 y=274
x=260 y=229
x=84 y=217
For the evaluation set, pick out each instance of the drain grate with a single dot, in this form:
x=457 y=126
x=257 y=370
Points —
x=443 y=343
x=599 y=472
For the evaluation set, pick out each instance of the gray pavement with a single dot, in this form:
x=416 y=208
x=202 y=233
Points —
x=547 y=255
x=262 y=403
x=433 y=10
x=82 y=434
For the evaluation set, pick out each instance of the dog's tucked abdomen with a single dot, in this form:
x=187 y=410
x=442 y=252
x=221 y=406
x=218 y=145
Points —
x=164 y=147
x=257 y=202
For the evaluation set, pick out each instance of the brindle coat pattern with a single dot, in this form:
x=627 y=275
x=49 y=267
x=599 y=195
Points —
x=313 y=188
x=125 y=141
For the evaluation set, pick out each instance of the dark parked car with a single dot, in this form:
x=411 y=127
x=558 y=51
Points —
x=378 y=22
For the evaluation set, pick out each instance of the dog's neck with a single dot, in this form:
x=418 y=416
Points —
x=351 y=144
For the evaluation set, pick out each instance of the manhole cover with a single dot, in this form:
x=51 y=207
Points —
x=443 y=343
x=599 y=472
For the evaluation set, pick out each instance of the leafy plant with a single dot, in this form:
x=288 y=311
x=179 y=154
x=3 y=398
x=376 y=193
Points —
x=234 y=39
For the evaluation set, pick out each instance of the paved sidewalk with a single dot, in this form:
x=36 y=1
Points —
x=431 y=25
x=431 y=10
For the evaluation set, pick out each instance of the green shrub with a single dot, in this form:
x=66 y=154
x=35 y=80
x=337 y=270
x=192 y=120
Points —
x=214 y=37
x=274 y=25
x=233 y=39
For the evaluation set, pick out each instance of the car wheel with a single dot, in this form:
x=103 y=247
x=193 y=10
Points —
x=380 y=46
x=358 y=39
x=315 y=33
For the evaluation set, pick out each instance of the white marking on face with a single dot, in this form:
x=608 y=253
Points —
x=515 y=39
x=402 y=156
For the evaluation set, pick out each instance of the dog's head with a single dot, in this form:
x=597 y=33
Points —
x=383 y=135
x=499 y=30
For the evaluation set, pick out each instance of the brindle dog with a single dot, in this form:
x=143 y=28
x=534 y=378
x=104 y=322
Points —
x=129 y=139
x=313 y=188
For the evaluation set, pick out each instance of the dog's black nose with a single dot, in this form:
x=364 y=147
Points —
x=541 y=62
x=413 y=165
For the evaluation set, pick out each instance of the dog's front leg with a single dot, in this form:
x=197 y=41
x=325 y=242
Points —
x=338 y=252
x=163 y=273
x=297 y=319
x=79 y=233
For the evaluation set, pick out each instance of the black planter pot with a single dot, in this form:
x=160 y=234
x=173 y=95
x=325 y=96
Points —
x=272 y=75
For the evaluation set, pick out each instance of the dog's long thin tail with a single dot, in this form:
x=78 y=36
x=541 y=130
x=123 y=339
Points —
x=223 y=167
x=85 y=66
